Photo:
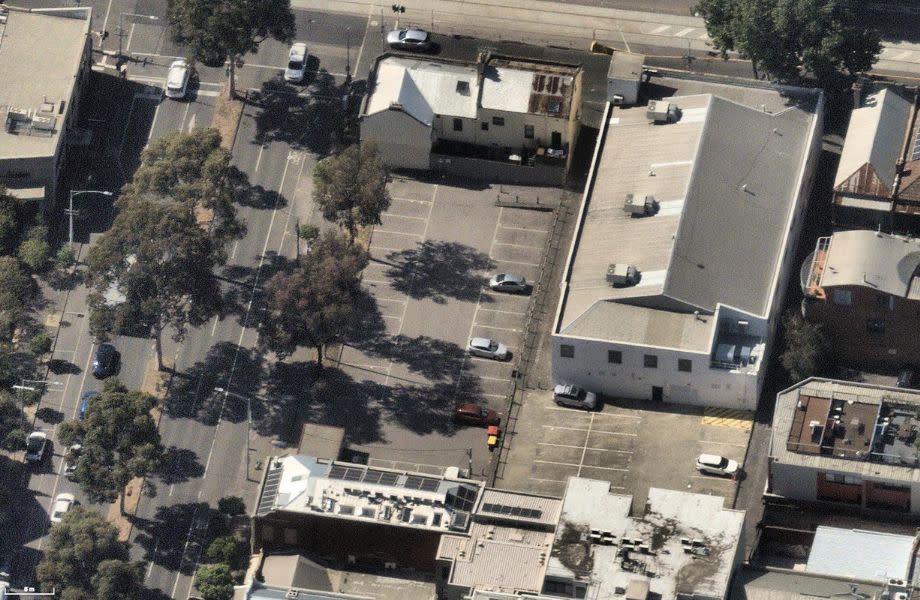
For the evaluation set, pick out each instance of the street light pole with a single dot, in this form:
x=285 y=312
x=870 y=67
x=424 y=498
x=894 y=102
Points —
x=71 y=212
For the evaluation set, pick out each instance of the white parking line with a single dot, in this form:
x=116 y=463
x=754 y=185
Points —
x=584 y=450
x=684 y=32
x=393 y=216
x=565 y=464
x=505 y=379
x=391 y=317
x=379 y=230
x=591 y=431
x=599 y=414
x=410 y=200
x=486 y=360
x=549 y=480
x=376 y=282
x=374 y=247
x=516 y=262
x=714 y=478
x=723 y=443
x=520 y=246
x=494 y=327
x=530 y=229
x=400 y=300
x=504 y=312
x=592 y=448
x=494 y=395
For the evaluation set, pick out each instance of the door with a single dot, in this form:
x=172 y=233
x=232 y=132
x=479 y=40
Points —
x=657 y=394
x=556 y=141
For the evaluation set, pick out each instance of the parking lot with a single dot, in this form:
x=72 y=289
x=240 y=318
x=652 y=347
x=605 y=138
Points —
x=633 y=445
x=430 y=261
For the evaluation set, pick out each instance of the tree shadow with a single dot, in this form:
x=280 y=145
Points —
x=63 y=367
x=439 y=270
x=259 y=197
x=434 y=359
x=50 y=415
x=166 y=537
x=179 y=465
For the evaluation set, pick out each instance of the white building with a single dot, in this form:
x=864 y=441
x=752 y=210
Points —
x=685 y=239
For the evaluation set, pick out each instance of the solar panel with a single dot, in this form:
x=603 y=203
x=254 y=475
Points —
x=429 y=485
x=511 y=511
x=337 y=472
x=353 y=474
x=372 y=477
x=412 y=482
x=389 y=478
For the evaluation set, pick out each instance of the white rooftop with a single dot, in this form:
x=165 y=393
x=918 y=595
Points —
x=423 y=88
x=871 y=259
x=860 y=554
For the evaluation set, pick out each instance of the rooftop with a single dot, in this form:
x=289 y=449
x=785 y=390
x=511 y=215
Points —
x=849 y=428
x=860 y=554
x=624 y=65
x=716 y=169
x=515 y=85
x=34 y=101
x=684 y=543
x=754 y=584
x=873 y=259
x=307 y=484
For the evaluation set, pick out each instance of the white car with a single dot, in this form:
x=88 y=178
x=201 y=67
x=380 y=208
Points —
x=574 y=397
x=62 y=504
x=177 y=79
x=36 y=444
x=714 y=464
x=297 y=63
x=487 y=348
x=508 y=282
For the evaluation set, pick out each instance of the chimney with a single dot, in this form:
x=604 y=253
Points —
x=857 y=93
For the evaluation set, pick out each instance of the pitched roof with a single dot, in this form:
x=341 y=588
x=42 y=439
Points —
x=869 y=259
x=875 y=136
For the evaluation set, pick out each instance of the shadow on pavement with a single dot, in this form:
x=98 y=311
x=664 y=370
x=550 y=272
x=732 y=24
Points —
x=180 y=465
x=440 y=271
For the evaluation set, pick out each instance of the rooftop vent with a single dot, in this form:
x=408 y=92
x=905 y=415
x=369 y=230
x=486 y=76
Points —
x=640 y=206
x=291 y=594
x=622 y=275
x=463 y=87
x=659 y=111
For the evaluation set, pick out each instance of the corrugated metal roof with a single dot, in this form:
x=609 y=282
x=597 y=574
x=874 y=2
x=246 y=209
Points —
x=871 y=259
x=875 y=136
x=424 y=88
x=860 y=554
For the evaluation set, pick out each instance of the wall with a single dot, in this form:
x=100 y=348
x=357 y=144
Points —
x=443 y=126
x=511 y=134
x=702 y=386
x=404 y=142
x=793 y=481
x=629 y=89
x=498 y=172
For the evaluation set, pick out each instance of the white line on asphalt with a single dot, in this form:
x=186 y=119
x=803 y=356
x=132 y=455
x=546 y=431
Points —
x=188 y=539
x=491 y=361
x=411 y=200
x=722 y=443
x=714 y=478
x=617 y=469
x=530 y=229
x=370 y=13
x=552 y=462
x=156 y=113
x=400 y=300
x=105 y=21
x=130 y=35
x=684 y=32
x=493 y=395
x=156 y=544
x=214 y=327
x=494 y=327
x=259 y=159
x=595 y=431
x=504 y=312
x=623 y=35
x=504 y=379
x=600 y=414
x=378 y=230
x=516 y=262
x=391 y=317
x=520 y=246
x=659 y=29
x=208 y=93
x=373 y=247
x=584 y=450
x=548 y=480
x=591 y=448
x=292 y=156
x=360 y=366
x=191 y=123
x=394 y=216
x=236 y=245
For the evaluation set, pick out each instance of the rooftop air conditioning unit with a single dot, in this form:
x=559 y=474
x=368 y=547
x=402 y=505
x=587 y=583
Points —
x=622 y=275
x=639 y=206
x=659 y=111
x=18 y=114
x=291 y=594
x=901 y=596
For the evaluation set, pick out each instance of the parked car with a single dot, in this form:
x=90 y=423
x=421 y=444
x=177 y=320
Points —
x=177 y=79
x=297 y=63
x=473 y=414
x=36 y=444
x=413 y=39
x=62 y=504
x=85 y=397
x=106 y=361
x=574 y=397
x=508 y=282
x=487 y=348
x=714 y=464
x=907 y=378
x=70 y=460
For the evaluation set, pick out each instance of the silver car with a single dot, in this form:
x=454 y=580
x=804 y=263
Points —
x=409 y=39
x=62 y=505
x=487 y=348
x=36 y=444
x=574 y=397
x=508 y=282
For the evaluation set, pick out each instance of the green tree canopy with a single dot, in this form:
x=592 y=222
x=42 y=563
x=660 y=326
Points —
x=807 y=348
x=226 y=549
x=827 y=38
x=159 y=258
x=9 y=222
x=17 y=289
x=191 y=168
x=76 y=547
x=351 y=188
x=120 y=441
x=118 y=580
x=214 y=582
x=218 y=30
x=314 y=303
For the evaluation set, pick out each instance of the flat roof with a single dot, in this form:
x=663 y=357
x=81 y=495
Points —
x=861 y=554
x=624 y=65
x=321 y=441
x=756 y=584
x=887 y=263
x=684 y=543
x=40 y=56
x=715 y=170
x=890 y=453
x=424 y=88
x=522 y=86
x=528 y=509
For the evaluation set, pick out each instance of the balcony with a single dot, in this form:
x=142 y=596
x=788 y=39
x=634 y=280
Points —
x=813 y=269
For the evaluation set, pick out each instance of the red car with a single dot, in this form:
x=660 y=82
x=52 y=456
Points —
x=473 y=414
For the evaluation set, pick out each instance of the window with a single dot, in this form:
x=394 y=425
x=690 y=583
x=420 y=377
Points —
x=685 y=365
x=844 y=479
x=615 y=357
x=650 y=361
x=528 y=132
x=458 y=124
x=567 y=351
x=885 y=301
x=875 y=325
x=484 y=125
x=290 y=535
x=500 y=121
x=842 y=297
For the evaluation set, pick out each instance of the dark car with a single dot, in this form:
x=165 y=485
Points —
x=106 y=361
x=907 y=378
x=473 y=414
x=85 y=397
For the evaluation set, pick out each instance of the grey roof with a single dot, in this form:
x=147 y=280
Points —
x=860 y=554
x=871 y=259
x=726 y=177
x=644 y=326
x=624 y=65
x=754 y=584
x=40 y=55
x=424 y=88
x=875 y=136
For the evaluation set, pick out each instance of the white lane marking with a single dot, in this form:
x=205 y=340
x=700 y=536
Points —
x=153 y=123
x=590 y=431
x=470 y=373
x=208 y=93
x=394 y=216
x=530 y=229
x=600 y=414
x=516 y=262
x=659 y=29
x=684 y=32
x=520 y=246
x=370 y=13
x=390 y=231
x=494 y=327
x=191 y=122
x=259 y=161
x=584 y=450
x=504 y=312
x=591 y=448
x=676 y=163
x=549 y=480
x=130 y=35
x=214 y=327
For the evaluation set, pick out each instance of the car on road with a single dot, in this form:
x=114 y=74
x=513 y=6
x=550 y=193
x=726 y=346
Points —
x=62 y=504
x=474 y=414
x=574 y=396
x=70 y=460
x=177 y=79
x=508 y=282
x=487 y=348
x=413 y=39
x=36 y=444
x=713 y=464
x=85 y=397
x=297 y=63
x=907 y=378
x=106 y=361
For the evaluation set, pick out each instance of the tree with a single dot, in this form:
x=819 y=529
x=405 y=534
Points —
x=35 y=254
x=40 y=344
x=120 y=441
x=807 y=348
x=161 y=262
x=224 y=30
x=313 y=304
x=226 y=549
x=829 y=39
x=76 y=547
x=9 y=222
x=350 y=188
x=16 y=292
x=191 y=168
x=214 y=582
x=118 y=580
x=65 y=257
x=231 y=505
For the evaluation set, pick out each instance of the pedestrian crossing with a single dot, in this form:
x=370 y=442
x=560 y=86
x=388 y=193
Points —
x=728 y=417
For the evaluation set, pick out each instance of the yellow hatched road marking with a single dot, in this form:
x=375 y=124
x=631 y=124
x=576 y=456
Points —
x=728 y=417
